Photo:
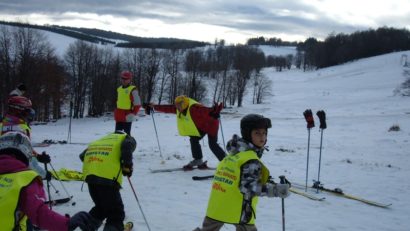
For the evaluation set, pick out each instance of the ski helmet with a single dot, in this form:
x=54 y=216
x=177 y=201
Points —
x=20 y=106
x=251 y=122
x=183 y=100
x=16 y=143
x=126 y=75
x=19 y=102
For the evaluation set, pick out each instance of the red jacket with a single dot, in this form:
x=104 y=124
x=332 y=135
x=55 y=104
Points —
x=200 y=115
x=32 y=199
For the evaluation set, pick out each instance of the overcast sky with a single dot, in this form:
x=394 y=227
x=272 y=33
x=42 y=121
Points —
x=206 y=20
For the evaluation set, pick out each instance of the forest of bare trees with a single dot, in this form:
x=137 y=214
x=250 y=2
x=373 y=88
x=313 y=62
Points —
x=85 y=79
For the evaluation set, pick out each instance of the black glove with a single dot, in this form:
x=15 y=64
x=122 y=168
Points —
x=48 y=176
x=309 y=118
x=322 y=119
x=148 y=108
x=216 y=110
x=43 y=158
x=83 y=220
x=127 y=170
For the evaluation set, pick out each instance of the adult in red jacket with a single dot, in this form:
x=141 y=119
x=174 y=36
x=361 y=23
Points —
x=22 y=194
x=128 y=103
x=196 y=121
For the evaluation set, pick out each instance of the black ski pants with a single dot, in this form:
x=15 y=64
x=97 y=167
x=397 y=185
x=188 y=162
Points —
x=213 y=145
x=123 y=126
x=108 y=205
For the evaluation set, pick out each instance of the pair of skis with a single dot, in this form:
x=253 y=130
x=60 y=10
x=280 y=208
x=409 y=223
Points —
x=297 y=189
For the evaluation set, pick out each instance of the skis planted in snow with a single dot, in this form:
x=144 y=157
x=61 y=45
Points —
x=179 y=169
x=128 y=226
x=339 y=192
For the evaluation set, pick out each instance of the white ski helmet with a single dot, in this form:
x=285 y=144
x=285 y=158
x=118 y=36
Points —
x=16 y=143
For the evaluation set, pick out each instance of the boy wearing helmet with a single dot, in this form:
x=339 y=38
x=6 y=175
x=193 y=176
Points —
x=21 y=191
x=128 y=103
x=241 y=178
x=196 y=121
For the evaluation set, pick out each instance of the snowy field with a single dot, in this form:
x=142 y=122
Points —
x=359 y=154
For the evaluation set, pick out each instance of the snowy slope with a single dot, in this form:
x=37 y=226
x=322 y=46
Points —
x=359 y=155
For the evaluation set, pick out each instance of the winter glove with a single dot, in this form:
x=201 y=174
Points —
x=216 y=110
x=127 y=170
x=43 y=158
x=277 y=190
x=148 y=108
x=130 y=117
x=82 y=220
x=309 y=118
x=322 y=119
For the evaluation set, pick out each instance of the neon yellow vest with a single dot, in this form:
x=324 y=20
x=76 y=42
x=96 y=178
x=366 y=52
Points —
x=123 y=99
x=24 y=128
x=10 y=189
x=186 y=126
x=225 y=202
x=102 y=158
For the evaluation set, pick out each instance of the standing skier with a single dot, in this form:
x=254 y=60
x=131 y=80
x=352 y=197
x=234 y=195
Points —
x=21 y=191
x=196 y=121
x=241 y=178
x=128 y=103
x=104 y=163
x=17 y=119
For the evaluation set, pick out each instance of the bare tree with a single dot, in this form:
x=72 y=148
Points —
x=78 y=59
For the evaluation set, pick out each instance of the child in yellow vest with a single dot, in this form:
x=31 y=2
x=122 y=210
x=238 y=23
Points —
x=241 y=178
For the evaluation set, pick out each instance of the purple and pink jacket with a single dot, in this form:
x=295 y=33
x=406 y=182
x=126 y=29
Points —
x=32 y=199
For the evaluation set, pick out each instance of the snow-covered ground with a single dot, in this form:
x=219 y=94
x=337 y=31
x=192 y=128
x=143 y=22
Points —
x=359 y=155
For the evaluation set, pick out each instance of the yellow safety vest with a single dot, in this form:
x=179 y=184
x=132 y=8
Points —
x=123 y=99
x=226 y=200
x=10 y=189
x=24 y=128
x=102 y=158
x=186 y=126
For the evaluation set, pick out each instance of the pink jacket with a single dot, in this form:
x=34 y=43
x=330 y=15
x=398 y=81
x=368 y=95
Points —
x=32 y=199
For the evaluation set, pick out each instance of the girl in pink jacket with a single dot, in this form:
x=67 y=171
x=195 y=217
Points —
x=22 y=195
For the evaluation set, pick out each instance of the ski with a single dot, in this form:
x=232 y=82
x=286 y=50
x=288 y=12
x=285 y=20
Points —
x=202 y=177
x=307 y=195
x=178 y=169
x=339 y=192
x=58 y=201
x=128 y=226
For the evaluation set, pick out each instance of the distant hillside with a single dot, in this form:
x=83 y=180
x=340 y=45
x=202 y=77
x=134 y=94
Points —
x=109 y=37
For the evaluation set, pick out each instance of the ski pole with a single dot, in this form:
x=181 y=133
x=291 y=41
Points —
x=58 y=179
x=48 y=187
x=222 y=132
x=307 y=160
x=283 y=181
x=139 y=205
x=320 y=160
x=310 y=124
x=322 y=119
x=156 y=133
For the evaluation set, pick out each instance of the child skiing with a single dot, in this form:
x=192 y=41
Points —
x=104 y=162
x=21 y=191
x=241 y=178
